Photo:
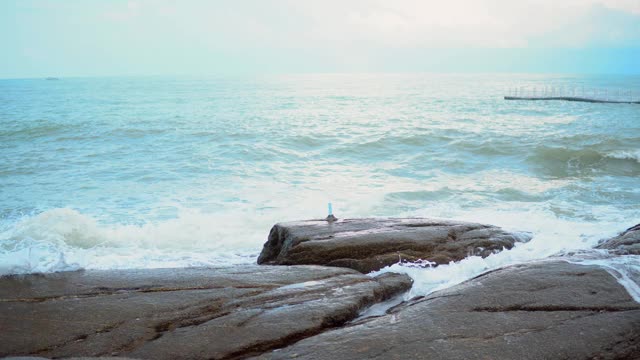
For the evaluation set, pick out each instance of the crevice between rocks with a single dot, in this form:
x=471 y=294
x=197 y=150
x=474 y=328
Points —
x=81 y=337
x=123 y=291
x=338 y=320
x=260 y=348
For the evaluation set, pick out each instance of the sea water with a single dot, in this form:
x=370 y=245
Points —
x=111 y=173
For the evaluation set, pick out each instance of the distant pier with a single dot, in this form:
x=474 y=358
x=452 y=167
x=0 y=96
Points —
x=570 y=98
x=606 y=96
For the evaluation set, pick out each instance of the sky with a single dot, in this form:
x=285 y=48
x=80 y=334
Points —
x=41 y=38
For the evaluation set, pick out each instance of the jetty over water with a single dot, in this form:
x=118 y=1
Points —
x=570 y=98
x=615 y=96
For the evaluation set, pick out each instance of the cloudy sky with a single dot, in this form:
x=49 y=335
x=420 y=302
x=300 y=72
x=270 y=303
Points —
x=160 y=37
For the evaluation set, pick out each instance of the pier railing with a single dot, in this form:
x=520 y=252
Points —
x=575 y=93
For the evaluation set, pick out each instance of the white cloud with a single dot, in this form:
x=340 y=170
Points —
x=398 y=23
x=632 y=6
x=125 y=12
x=488 y=23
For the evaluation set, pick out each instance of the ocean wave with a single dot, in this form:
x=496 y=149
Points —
x=136 y=133
x=65 y=239
x=562 y=162
x=305 y=142
x=487 y=147
x=37 y=129
x=388 y=146
x=450 y=194
x=626 y=155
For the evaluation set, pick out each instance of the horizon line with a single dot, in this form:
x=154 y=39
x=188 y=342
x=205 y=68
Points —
x=260 y=74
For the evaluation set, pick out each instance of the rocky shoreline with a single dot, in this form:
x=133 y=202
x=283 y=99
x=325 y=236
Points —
x=307 y=305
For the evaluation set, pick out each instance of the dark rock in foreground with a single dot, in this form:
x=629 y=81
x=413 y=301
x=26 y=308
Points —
x=560 y=308
x=546 y=310
x=180 y=313
x=627 y=243
x=371 y=244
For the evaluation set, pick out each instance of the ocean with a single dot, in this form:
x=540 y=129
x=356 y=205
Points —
x=148 y=172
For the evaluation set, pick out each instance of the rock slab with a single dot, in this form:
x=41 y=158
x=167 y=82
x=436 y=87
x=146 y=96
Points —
x=370 y=244
x=194 y=313
x=546 y=310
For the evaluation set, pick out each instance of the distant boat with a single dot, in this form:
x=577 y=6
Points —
x=52 y=78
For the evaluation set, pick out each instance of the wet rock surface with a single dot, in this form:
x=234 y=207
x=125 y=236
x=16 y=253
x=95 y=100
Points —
x=546 y=310
x=575 y=306
x=627 y=243
x=180 y=313
x=371 y=244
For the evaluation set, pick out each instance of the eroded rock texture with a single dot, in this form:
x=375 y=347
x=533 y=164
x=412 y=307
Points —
x=180 y=313
x=627 y=243
x=371 y=244
x=547 y=310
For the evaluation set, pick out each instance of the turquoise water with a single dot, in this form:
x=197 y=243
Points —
x=156 y=172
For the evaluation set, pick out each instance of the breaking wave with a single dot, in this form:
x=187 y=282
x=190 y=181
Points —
x=65 y=239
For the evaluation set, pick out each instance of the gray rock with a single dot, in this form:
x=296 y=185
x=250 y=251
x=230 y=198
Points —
x=371 y=244
x=72 y=358
x=627 y=243
x=180 y=313
x=546 y=310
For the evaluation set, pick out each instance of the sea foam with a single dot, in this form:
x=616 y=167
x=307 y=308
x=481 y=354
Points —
x=550 y=236
x=65 y=239
x=626 y=155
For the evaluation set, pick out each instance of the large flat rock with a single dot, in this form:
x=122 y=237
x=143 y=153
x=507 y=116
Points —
x=371 y=244
x=546 y=310
x=180 y=313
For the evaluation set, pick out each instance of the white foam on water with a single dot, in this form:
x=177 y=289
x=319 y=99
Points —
x=626 y=155
x=379 y=309
x=65 y=239
x=551 y=235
